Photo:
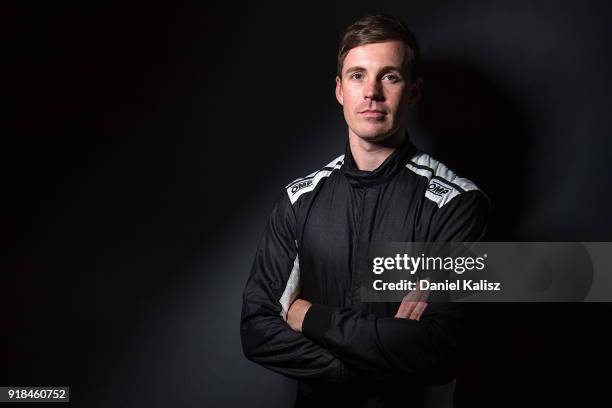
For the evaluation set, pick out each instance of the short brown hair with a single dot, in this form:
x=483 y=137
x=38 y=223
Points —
x=380 y=28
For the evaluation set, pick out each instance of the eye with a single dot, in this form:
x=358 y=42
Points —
x=356 y=75
x=392 y=77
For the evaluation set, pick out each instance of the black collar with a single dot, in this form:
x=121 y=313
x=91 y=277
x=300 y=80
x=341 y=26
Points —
x=392 y=164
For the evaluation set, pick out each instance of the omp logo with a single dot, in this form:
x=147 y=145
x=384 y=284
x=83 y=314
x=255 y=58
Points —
x=300 y=185
x=437 y=188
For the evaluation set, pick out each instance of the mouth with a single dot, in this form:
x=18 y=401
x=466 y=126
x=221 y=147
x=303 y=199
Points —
x=372 y=113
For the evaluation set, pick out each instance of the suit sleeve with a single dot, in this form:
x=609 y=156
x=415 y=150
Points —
x=272 y=285
x=426 y=350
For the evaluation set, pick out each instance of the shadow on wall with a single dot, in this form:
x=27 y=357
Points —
x=470 y=123
x=467 y=121
x=516 y=354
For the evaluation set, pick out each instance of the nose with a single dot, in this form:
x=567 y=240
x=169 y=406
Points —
x=372 y=90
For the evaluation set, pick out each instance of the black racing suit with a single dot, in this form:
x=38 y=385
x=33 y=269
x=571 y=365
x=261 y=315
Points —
x=352 y=353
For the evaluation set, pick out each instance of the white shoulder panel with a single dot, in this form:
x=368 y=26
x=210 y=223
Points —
x=305 y=184
x=444 y=184
x=292 y=289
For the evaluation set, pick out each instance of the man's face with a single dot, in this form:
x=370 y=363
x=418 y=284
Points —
x=374 y=90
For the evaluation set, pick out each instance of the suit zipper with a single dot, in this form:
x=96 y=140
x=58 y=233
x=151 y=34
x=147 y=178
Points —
x=356 y=245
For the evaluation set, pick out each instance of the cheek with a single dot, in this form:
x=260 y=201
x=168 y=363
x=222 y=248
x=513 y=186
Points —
x=397 y=100
x=351 y=97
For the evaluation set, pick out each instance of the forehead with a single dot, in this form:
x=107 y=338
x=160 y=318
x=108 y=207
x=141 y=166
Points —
x=372 y=56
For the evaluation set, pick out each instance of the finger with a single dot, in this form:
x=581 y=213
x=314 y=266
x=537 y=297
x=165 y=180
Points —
x=405 y=309
x=424 y=294
x=401 y=311
x=411 y=300
x=418 y=311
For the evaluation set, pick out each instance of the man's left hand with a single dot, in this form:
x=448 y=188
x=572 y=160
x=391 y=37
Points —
x=296 y=314
x=413 y=305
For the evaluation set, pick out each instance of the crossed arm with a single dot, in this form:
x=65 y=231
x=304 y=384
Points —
x=314 y=341
x=412 y=307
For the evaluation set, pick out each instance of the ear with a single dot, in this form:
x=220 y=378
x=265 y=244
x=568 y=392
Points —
x=415 y=92
x=339 y=95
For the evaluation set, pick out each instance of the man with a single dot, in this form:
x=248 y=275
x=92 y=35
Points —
x=302 y=315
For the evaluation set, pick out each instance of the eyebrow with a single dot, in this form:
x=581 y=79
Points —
x=386 y=68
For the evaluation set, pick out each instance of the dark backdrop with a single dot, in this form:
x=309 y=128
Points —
x=144 y=145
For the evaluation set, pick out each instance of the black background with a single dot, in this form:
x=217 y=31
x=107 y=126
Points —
x=144 y=145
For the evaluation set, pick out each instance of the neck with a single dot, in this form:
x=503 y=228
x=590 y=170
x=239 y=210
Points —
x=369 y=155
